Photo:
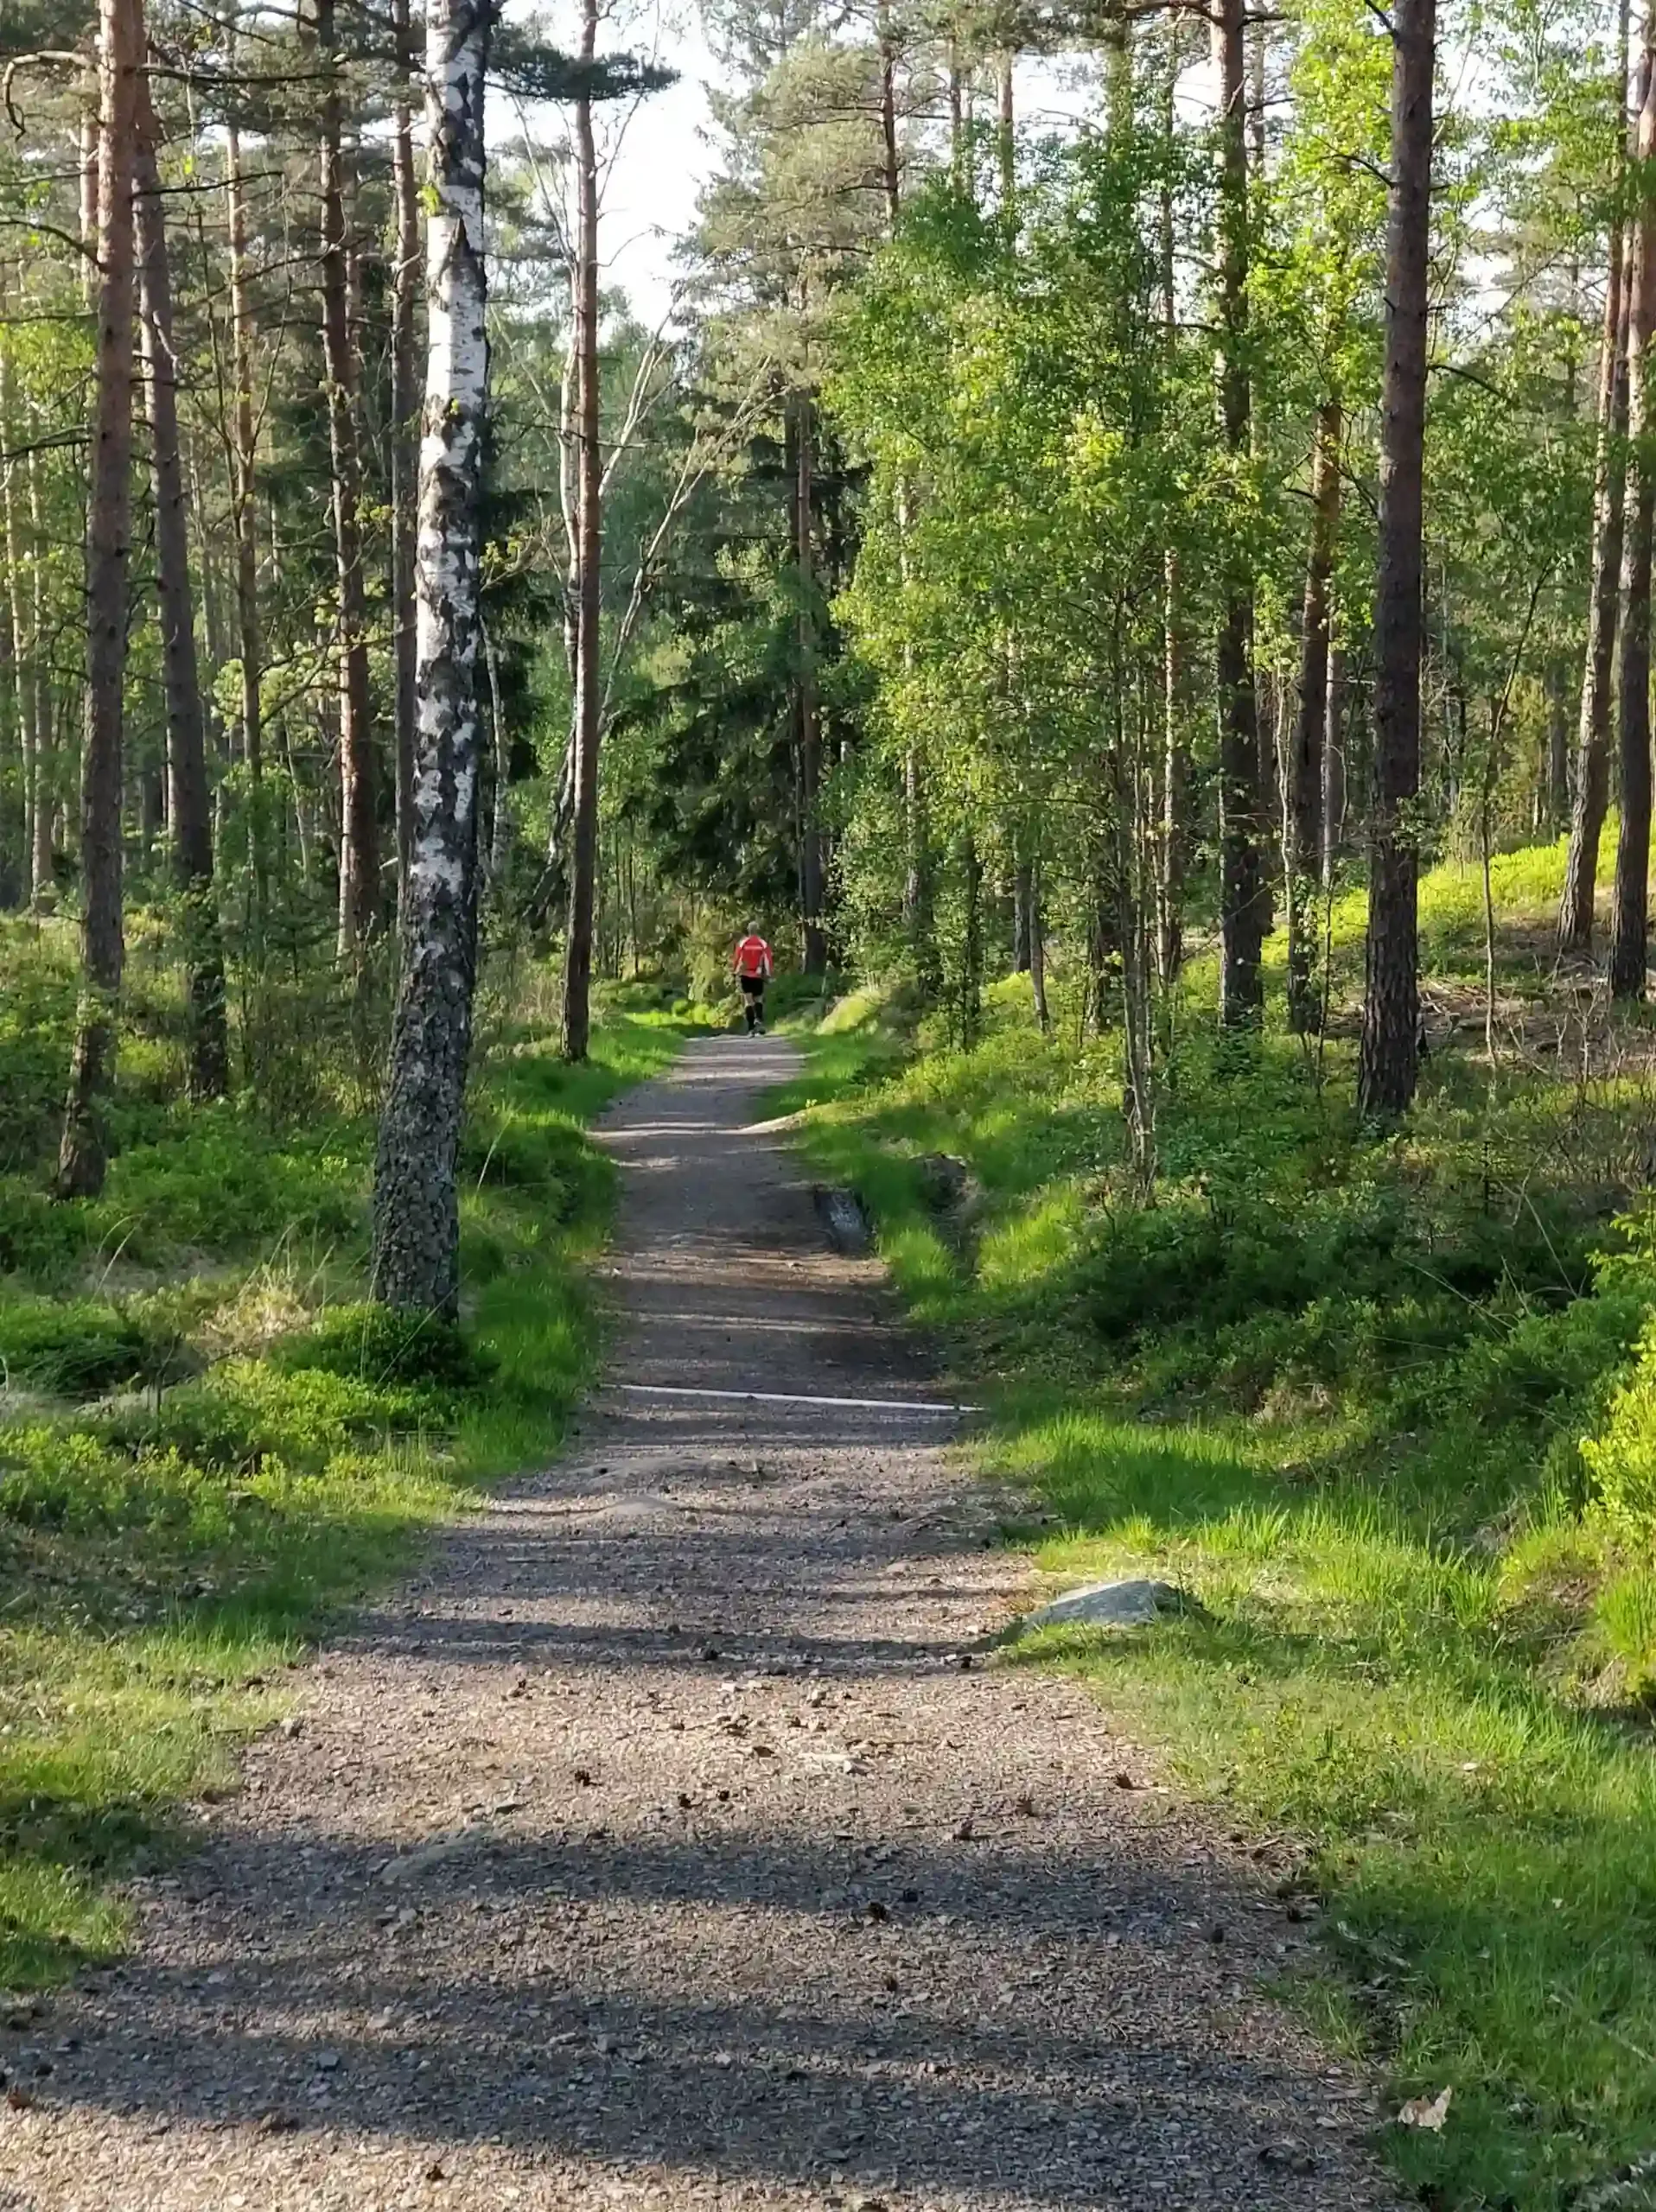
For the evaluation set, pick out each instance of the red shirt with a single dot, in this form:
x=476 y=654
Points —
x=752 y=957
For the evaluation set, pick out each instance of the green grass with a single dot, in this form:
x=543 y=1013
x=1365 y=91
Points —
x=1339 y=1387
x=263 y=1448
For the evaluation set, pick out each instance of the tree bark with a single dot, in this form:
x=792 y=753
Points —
x=1388 y=1057
x=190 y=806
x=1590 y=796
x=1333 y=766
x=416 y=1207
x=405 y=441
x=24 y=643
x=244 y=514
x=1038 y=955
x=1245 y=895
x=1303 y=814
x=1173 y=837
x=499 y=849
x=584 y=857
x=83 y=1154
x=1629 y=922
x=359 y=908
x=809 y=707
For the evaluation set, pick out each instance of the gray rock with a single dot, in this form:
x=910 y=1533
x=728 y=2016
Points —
x=1112 y=1604
x=846 y=1219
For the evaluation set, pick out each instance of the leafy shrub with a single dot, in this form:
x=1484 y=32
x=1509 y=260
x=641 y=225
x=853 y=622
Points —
x=245 y=1411
x=1622 y=1459
x=224 y=1185
x=375 y=1344
x=73 y=1347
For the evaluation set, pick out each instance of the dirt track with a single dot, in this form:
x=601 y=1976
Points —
x=657 y=1848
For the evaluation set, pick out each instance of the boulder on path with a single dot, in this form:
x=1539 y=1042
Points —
x=1112 y=1604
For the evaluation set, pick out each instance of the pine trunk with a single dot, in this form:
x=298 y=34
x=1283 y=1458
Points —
x=809 y=704
x=1388 y=1061
x=244 y=512
x=1629 y=922
x=83 y=1156
x=24 y=644
x=416 y=1219
x=42 y=877
x=358 y=886
x=1590 y=796
x=190 y=806
x=1245 y=896
x=1303 y=814
x=583 y=855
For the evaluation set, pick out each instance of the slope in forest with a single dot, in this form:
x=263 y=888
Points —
x=1388 y=1405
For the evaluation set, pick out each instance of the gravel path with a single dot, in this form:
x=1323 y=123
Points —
x=662 y=1846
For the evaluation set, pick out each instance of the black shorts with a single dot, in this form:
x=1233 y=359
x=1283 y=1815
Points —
x=752 y=986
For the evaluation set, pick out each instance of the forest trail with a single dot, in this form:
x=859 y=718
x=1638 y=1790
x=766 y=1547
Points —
x=656 y=1848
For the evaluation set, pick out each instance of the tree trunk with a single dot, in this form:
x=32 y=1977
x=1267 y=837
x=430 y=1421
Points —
x=404 y=440
x=83 y=1154
x=1333 y=766
x=1173 y=837
x=1629 y=924
x=1555 y=810
x=42 y=880
x=190 y=806
x=1023 y=914
x=1388 y=1059
x=1244 y=893
x=1038 y=955
x=416 y=1207
x=890 y=168
x=1590 y=796
x=809 y=705
x=499 y=850
x=584 y=860
x=24 y=644
x=358 y=840
x=244 y=514
x=918 y=895
x=1303 y=814
x=971 y=942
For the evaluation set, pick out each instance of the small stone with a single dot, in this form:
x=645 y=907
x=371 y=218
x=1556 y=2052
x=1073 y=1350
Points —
x=327 y=2062
x=1136 y=1603
x=962 y=1832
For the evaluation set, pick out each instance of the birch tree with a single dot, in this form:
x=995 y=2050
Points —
x=416 y=1218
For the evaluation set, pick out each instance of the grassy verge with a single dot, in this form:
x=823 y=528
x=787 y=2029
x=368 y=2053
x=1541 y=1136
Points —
x=1339 y=1388
x=208 y=1440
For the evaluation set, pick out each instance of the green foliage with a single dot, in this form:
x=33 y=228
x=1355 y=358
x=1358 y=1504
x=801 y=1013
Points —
x=1338 y=1388
x=166 y=1552
x=74 y=1347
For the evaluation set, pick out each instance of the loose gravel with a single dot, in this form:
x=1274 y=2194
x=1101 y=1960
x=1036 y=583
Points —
x=674 y=1841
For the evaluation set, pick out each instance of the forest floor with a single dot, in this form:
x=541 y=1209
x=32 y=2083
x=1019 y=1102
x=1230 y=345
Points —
x=671 y=1839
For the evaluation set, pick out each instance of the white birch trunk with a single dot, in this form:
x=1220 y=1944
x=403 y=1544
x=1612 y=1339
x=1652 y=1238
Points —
x=417 y=1228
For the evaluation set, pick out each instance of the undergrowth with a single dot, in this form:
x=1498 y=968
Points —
x=1388 y=1407
x=209 y=1438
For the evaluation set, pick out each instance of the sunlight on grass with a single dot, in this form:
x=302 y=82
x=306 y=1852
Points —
x=1336 y=1389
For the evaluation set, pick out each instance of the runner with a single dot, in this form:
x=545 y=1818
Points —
x=753 y=964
